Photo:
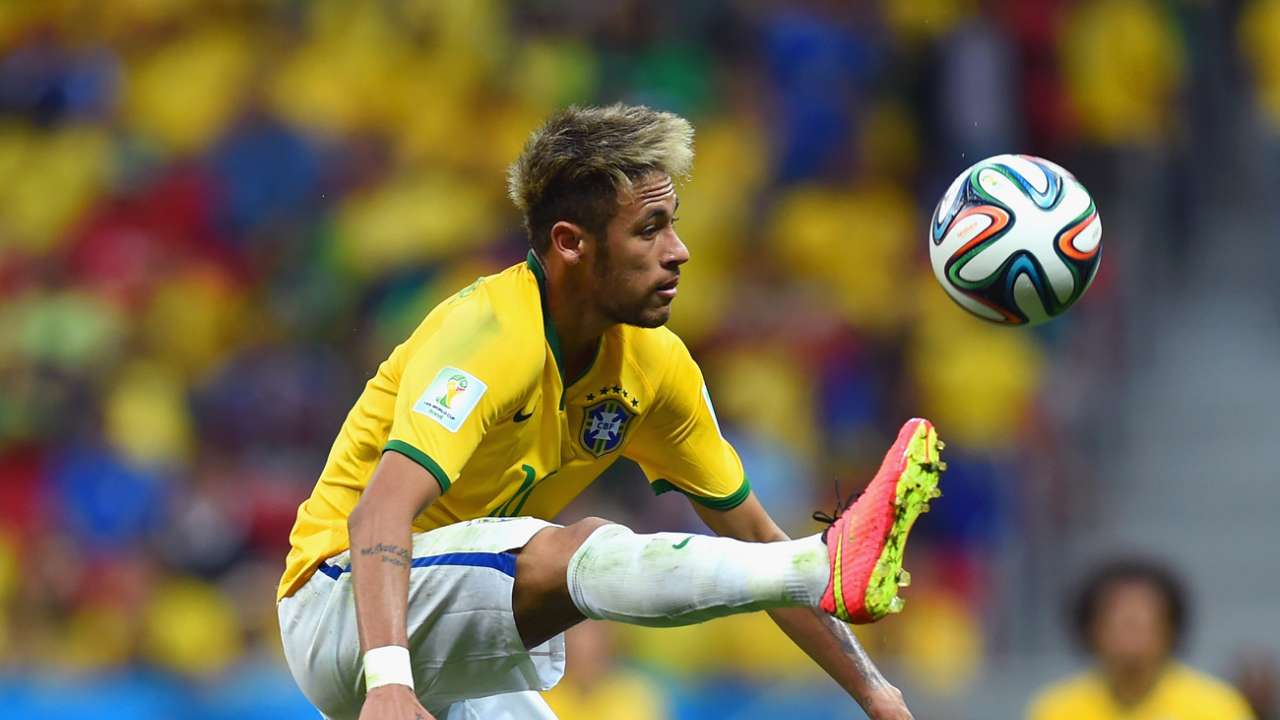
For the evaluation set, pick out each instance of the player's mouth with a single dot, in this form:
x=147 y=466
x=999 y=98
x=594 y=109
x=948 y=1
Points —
x=667 y=290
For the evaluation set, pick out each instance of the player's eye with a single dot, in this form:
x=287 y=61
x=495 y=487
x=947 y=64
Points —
x=651 y=230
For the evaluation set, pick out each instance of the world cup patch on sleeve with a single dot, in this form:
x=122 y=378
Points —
x=603 y=426
x=451 y=397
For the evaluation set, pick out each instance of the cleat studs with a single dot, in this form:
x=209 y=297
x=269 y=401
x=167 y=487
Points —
x=904 y=579
x=896 y=605
x=941 y=445
x=942 y=466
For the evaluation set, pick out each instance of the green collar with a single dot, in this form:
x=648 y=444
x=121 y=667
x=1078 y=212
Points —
x=548 y=327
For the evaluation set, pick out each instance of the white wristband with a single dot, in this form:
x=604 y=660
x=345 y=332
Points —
x=388 y=665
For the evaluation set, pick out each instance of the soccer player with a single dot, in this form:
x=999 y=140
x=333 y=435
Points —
x=1131 y=616
x=423 y=574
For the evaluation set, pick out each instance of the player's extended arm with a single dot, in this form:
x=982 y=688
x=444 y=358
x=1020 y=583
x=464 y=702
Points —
x=827 y=640
x=381 y=528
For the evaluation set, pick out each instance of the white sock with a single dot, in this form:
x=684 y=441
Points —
x=670 y=579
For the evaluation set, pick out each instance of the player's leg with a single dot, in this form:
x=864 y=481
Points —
x=603 y=571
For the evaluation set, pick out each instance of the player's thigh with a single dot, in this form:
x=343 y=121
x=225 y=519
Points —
x=511 y=706
x=322 y=646
x=463 y=639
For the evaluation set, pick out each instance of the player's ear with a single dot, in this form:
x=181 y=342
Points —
x=567 y=241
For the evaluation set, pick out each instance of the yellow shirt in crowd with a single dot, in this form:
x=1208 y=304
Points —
x=1180 y=694
x=619 y=696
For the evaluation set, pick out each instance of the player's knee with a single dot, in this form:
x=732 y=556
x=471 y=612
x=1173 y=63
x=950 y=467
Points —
x=542 y=564
x=553 y=547
x=541 y=600
x=581 y=530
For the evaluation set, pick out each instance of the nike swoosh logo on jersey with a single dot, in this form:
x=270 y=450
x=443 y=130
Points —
x=682 y=543
x=521 y=418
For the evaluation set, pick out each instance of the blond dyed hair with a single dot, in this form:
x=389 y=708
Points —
x=582 y=162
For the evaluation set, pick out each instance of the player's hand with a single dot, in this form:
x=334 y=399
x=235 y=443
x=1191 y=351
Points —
x=886 y=703
x=393 y=702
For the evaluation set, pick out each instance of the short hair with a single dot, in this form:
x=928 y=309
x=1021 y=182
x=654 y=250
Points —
x=583 y=159
x=1084 y=610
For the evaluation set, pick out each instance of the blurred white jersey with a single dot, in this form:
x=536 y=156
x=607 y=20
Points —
x=463 y=640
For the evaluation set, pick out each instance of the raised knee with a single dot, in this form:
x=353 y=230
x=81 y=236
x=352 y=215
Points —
x=541 y=564
x=553 y=547
x=541 y=599
x=578 y=532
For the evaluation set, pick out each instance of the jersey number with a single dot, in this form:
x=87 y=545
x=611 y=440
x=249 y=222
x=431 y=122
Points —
x=515 y=503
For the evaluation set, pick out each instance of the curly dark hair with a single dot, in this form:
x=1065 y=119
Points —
x=1084 y=609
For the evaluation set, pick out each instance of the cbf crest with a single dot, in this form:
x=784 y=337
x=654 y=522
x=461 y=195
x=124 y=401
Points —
x=604 y=425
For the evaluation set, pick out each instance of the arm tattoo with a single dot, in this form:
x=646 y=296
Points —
x=394 y=554
x=849 y=643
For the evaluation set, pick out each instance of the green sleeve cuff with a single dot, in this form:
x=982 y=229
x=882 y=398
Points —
x=728 y=502
x=422 y=459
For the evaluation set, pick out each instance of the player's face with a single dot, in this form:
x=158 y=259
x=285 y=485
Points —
x=637 y=267
x=1131 y=629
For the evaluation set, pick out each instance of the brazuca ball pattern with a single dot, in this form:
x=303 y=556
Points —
x=1015 y=240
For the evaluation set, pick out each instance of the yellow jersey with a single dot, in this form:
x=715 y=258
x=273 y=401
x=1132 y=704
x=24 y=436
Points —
x=618 y=696
x=1180 y=694
x=477 y=396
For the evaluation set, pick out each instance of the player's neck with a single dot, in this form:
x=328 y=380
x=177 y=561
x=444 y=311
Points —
x=577 y=322
x=1130 y=686
x=579 y=332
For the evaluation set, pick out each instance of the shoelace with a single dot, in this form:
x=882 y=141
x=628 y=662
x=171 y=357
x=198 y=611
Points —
x=841 y=505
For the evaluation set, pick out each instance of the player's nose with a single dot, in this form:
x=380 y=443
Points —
x=677 y=253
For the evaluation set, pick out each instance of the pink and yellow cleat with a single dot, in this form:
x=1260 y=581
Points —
x=866 y=542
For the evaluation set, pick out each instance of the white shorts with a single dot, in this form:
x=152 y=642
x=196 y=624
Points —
x=463 y=640
x=511 y=706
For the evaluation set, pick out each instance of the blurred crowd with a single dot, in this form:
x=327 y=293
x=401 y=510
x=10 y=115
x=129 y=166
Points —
x=217 y=217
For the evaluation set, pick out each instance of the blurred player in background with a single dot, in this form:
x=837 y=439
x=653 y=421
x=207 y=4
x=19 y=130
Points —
x=423 y=572
x=594 y=687
x=1131 y=616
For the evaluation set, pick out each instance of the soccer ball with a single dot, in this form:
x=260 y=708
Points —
x=1015 y=240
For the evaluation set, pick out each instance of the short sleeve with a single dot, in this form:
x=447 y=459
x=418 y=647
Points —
x=461 y=378
x=679 y=445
